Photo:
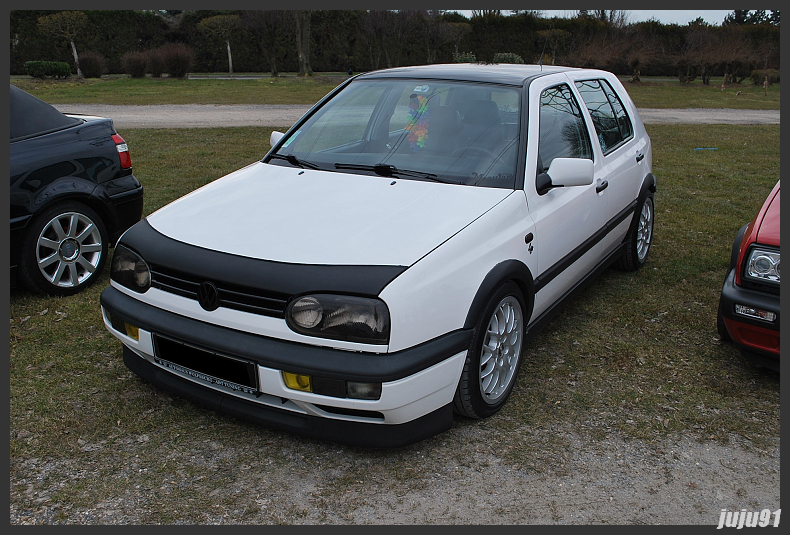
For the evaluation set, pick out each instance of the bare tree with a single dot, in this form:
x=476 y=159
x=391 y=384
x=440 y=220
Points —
x=222 y=27
x=66 y=25
x=372 y=26
x=458 y=30
x=385 y=32
x=640 y=51
x=303 y=41
x=616 y=17
x=437 y=33
x=486 y=12
x=267 y=26
x=537 y=13
x=400 y=27
x=553 y=40
x=601 y=50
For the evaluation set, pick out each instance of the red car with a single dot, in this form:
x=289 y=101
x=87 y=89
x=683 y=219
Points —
x=749 y=305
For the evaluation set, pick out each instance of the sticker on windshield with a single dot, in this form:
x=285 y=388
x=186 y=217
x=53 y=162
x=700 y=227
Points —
x=290 y=139
x=421 y=89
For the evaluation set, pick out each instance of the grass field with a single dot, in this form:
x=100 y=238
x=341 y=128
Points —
x=635 y=354
x=293 y=90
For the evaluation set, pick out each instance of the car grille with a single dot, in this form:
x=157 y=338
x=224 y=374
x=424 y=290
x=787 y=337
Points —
x=237 y=297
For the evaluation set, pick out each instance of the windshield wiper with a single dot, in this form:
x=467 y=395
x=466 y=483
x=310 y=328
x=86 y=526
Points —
x=293 y=160
x=388 y=170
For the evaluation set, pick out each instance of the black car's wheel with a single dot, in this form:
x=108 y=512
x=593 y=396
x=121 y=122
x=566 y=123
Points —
x=64 y=250
x=639 y=237
x=494 y=355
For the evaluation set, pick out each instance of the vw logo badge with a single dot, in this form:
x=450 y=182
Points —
x=208 y=296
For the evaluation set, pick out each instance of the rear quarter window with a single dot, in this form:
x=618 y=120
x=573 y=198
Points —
x=612 y=124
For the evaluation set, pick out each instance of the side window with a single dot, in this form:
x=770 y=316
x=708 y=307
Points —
x=626 y=130
x=563 y=133
x=611 y=122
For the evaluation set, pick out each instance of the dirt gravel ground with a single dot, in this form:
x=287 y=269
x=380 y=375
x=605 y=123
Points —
x=252 y=475
x=460 y=477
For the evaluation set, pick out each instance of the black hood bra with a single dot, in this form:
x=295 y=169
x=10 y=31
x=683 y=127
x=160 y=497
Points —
x=254 y=275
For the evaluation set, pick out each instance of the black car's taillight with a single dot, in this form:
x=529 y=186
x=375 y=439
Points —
x=123 y=151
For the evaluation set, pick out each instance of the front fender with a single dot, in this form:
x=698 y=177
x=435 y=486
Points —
x=514 y=270
x=439 y=293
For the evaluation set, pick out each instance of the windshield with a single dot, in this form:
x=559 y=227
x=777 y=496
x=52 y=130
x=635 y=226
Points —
x=455 y=132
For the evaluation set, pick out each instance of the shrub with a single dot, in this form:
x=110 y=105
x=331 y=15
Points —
x=507 y=57
x=464 y=57
x=758 y=76
x=156 y=63
x=177 y=59
x=92 y=64
x=42 y=69
x=135 y=64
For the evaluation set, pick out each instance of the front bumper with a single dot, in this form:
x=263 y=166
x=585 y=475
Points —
x=761 y=337
x=417 y=385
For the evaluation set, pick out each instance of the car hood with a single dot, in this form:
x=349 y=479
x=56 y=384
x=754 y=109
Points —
x=768 y=232
x=317 y=217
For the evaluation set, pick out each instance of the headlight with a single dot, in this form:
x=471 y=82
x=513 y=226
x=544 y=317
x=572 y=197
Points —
x=129 y=270
x=763 y=265
x=340 y=317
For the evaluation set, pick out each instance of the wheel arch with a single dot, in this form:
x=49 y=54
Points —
x=648 y=186
x=83 y=196
x=509 y=270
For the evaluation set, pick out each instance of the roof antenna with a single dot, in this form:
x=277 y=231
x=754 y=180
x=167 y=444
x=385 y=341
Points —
x=540 y=61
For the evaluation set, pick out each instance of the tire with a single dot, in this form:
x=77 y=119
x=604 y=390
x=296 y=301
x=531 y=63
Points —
x=494 y=355
x=640 y=237
x=64 y=250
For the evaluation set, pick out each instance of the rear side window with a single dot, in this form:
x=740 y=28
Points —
x=563 y=133
x=612 y=124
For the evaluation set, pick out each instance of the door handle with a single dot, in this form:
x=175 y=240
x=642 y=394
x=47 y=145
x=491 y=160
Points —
x=601 y=186
x=639 y=157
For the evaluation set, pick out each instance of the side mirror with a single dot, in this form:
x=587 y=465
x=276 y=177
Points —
x=275 y=137
x=565 y=172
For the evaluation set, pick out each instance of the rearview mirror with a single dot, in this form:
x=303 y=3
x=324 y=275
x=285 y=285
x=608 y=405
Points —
x=275 y=137
x=566 y=172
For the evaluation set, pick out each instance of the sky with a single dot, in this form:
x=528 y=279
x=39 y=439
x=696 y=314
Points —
x=665 y=16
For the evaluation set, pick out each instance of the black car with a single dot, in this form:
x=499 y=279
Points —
x=72 y=195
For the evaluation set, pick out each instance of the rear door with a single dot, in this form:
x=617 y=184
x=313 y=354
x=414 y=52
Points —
x=620 y=153
x=568 y=220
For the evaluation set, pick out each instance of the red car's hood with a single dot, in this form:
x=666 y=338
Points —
x=768 y=232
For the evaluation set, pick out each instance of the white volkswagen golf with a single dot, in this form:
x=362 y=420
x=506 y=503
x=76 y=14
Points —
x=384 y=265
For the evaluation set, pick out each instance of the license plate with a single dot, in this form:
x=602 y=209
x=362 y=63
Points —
x=207 y=367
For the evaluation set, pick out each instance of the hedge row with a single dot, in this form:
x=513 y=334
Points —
x=759 y=76
x=53 y=69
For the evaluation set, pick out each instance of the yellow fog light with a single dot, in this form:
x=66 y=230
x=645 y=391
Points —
x=296 y=381
x=132 y=331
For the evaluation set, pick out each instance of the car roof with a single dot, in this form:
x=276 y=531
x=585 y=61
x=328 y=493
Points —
x=31 y=116
x=503 y=73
